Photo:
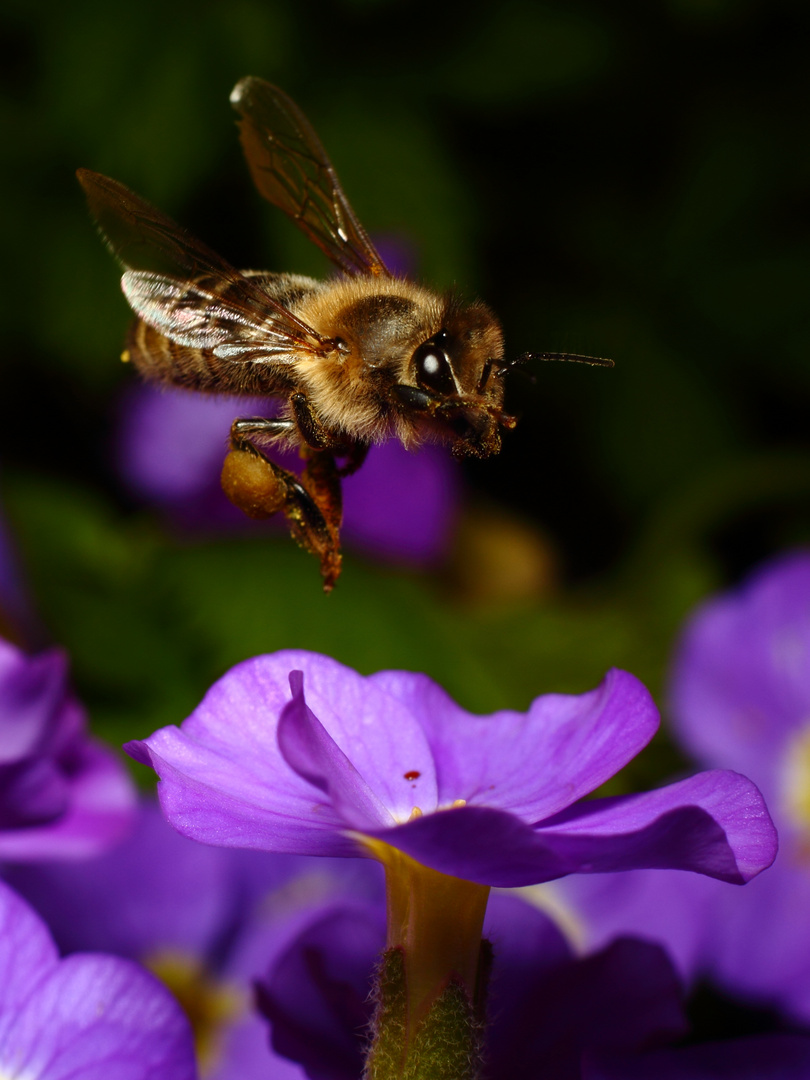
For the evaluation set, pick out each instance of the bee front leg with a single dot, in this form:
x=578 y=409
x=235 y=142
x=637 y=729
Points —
x=355 y=456
x=312 y=503
x=313 y=430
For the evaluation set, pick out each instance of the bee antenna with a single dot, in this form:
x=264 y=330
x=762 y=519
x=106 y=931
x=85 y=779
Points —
x=503 y=367
x=594 y=361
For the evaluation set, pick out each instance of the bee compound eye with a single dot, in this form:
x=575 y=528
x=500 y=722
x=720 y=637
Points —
x=433 y=371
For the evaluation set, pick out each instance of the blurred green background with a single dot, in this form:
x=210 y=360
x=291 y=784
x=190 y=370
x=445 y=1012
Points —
x=627 y=179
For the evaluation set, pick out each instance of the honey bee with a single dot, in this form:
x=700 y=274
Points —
x=357 y=359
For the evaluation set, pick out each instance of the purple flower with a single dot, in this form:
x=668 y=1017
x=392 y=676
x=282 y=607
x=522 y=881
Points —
x=399 y=506
x=346 y=761
x=740 y=695
x=206 y=919
x=548 y=1010
x=545 y=1007
x=740 y=687
x=89 y=1016
x=62 y=794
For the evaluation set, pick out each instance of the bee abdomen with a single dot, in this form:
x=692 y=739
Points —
x=162 y=360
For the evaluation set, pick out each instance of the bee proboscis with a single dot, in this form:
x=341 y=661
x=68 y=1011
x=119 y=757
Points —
x=357 y=359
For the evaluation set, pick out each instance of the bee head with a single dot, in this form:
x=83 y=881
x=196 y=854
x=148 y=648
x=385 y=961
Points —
x=453 y=381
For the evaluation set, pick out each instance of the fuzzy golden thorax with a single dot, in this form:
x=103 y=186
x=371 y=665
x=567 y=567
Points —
x=386 y=328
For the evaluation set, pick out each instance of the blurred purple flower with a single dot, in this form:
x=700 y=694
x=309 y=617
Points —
x=88 y=1016
x=62 y=794
x=740 y=695
x=547 y=1009
x=740 y=686
x=401 y=505
x=545 y=1006
x=398 y=252
x=490 y=799
x=208 y=919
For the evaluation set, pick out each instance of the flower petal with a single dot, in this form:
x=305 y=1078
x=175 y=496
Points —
x=317 y=994
x=27 y=952
x=310 y=750
x=100 y=803
x=741 y=679
x=715 y=824
x=155 y=891
x=90 y=1016
x=666 y=906
x=34 y=700
x=376 y=730
x=402 y=505
x=624 y=999
x=226 y=781
x=97 y=1017
x=532 y=764
x=759 y=947
x=215 y=799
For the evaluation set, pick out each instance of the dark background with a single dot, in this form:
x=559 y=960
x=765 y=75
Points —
x=629 y=180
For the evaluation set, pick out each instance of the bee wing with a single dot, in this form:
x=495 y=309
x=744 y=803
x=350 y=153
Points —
x=290 y=168
x=224 y=310
x=200 y=319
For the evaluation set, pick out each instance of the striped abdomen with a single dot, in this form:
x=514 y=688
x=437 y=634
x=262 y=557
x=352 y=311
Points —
x=161 y=360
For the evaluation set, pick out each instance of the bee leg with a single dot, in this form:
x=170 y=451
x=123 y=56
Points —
x=259 y=427
x=355 y=456
x=313 y=430
x=321 y=483
x=312 y=503
x=318 y=436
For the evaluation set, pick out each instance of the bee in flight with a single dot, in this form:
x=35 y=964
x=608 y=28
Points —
x=354 y=360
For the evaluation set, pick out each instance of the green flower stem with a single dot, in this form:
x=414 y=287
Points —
x=427 y=1024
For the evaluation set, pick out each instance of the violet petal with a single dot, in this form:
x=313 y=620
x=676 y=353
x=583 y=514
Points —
x=26 y=950
x=741 y=679
x=317 y=994
x=535 y=763
x=225 y=779
x=89 y=1015
x=95 y=1017
x=310 y=750
x=733 y=837
x=99 y=810
x=33 y=690
x=714 y=824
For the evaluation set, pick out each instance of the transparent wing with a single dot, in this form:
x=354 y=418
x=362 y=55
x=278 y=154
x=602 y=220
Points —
x=200 y=319
x=290 y=168
x=162 y=260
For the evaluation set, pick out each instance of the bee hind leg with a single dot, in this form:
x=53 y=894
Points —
x=311 y=503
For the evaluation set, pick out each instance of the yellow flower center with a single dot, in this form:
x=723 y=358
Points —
x=796 y=782
x=207 y=1003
